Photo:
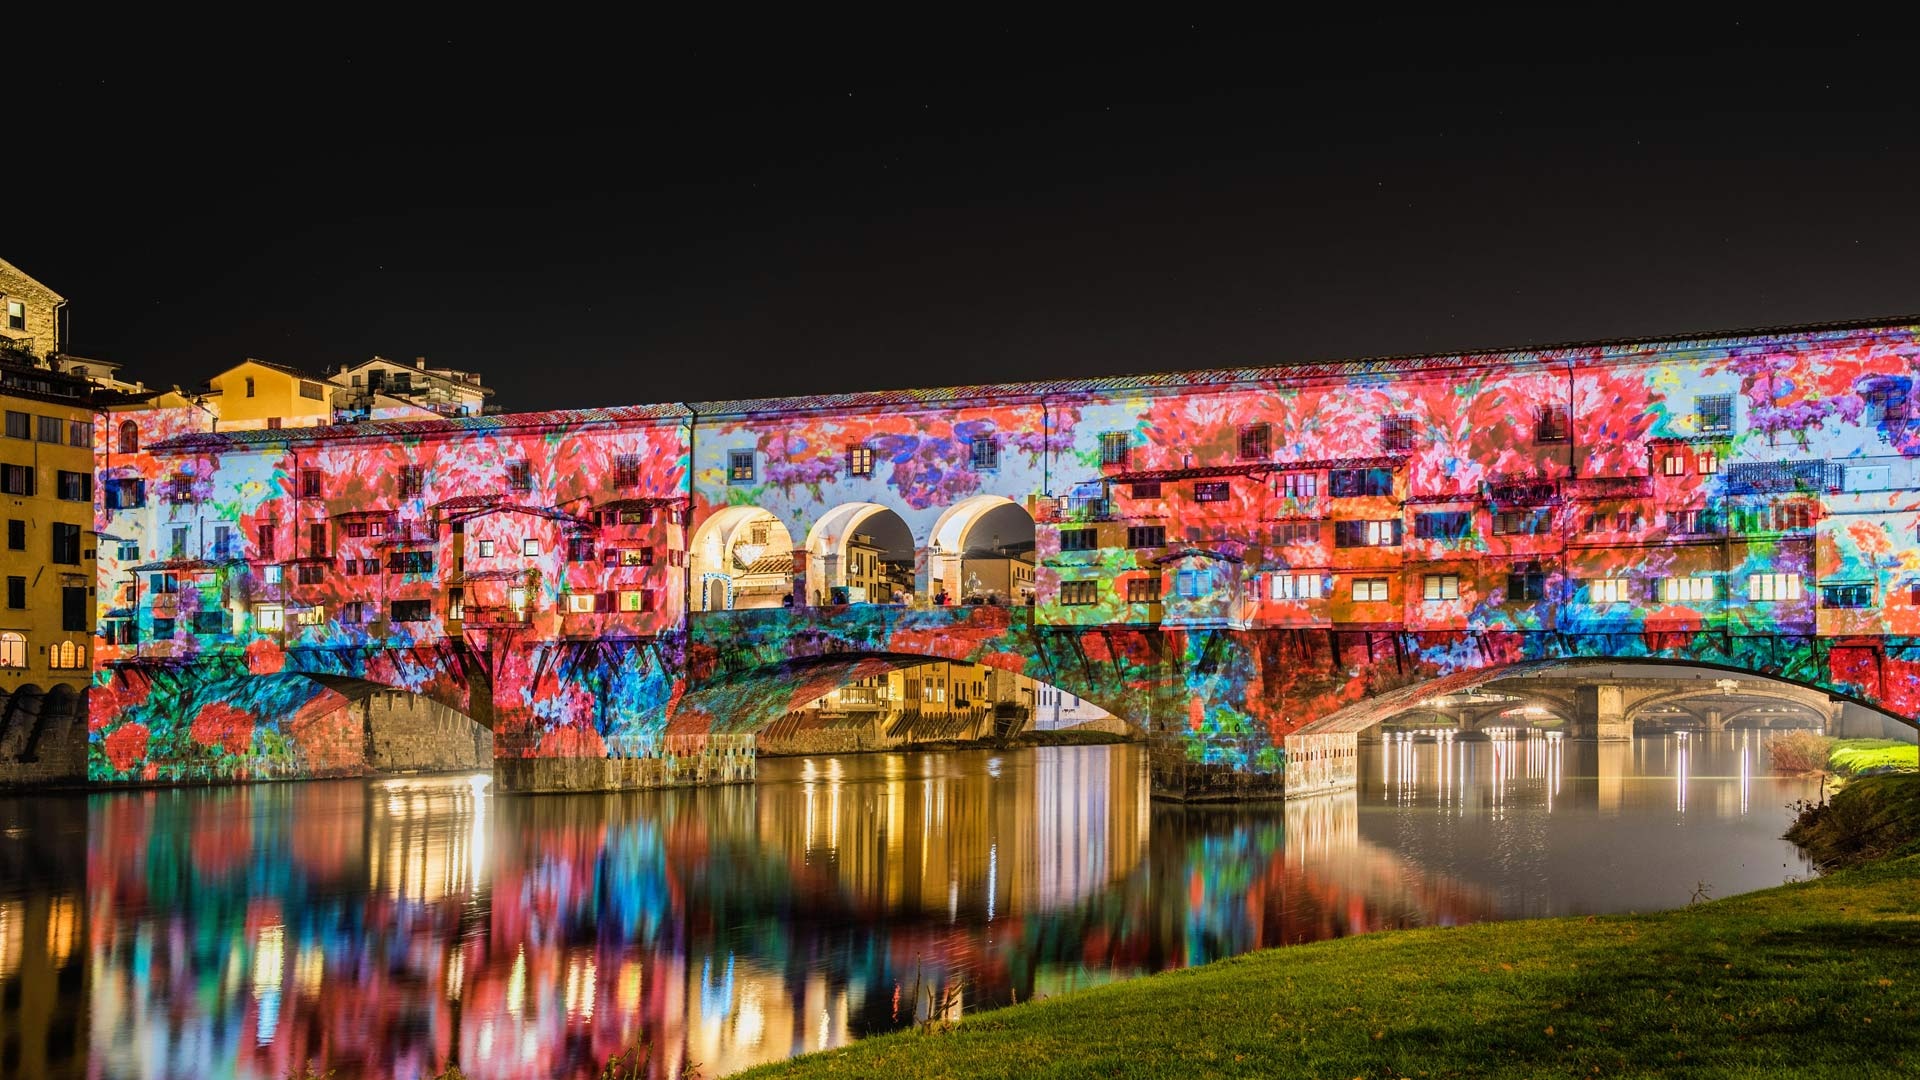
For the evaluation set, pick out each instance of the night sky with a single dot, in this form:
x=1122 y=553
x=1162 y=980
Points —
x=596 y=215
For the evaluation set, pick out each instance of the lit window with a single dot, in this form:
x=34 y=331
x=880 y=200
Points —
x=270 y=617
x=1211 y=491
x=530 y=547
x=13 y=650
x=859 y=461
x=456 y=605
x=517 y=599
x=1295 y=587
x=486 y=548
x=1442 y=587
x=1143 y=590
x=16 y=315
x=1369 y=589
x=1115 y=448
x=581 y=602
x=633 y=600
x=1682 y=590
x=739 y=466
x=1078 y=593
x=1299 y=485
x=1674 y=465
x=317 y=615
x=1607 y=591
x=1709 y=462
x=1773 y=586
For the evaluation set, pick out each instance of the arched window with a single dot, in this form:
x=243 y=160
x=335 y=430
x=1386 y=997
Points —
x=249 y=386
x=129 y=437
x=13 y=649
x=65 y=655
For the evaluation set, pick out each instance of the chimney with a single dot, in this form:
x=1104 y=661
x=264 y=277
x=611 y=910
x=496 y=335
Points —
x=420 y=362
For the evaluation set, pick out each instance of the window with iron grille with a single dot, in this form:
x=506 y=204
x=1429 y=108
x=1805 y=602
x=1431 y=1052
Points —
x=1522 y=522
x=1079 y=593
x=519 y=477
x=626 y=471
x=1115 y=447
x=1211 y=491
x=1143 y=590
x=413 y=480
x=1146 y=489
x=1397 y=433
x=1526 y=584
x=1553 y=425
x=986 y=453
x=859 y=461
x=1367 y=533
x=1443 y=525
x=1079 y=539
x=1297 y=532
x=310 y=481
x=1305 y=485
x=1256 y=442
x=1713 y=413
x=1146 y=536
x=739 y=466
x=1350 y=483
x=311 y=573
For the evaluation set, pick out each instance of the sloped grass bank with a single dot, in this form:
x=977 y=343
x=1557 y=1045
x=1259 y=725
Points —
x=1853 y=756
x=1815 y=979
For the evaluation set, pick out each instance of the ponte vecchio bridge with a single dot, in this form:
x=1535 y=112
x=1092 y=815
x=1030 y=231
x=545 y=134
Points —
x=1248 y=564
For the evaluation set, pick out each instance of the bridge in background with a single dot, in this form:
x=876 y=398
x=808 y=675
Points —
x=1249 y=565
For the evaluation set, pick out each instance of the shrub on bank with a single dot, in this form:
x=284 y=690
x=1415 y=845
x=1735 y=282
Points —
x=1799 y=751
x=1872 y=817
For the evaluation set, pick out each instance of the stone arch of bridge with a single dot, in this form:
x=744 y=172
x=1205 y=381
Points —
x=829 y=539
x=735 y=558
x=944 y=563
x=1818 y=702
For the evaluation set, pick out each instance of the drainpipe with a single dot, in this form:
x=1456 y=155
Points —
x=686 y=527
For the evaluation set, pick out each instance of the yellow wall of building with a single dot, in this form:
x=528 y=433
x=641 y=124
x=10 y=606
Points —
x=276 y=396
x=40 y=622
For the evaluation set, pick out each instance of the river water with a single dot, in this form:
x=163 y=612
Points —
x=384 y=928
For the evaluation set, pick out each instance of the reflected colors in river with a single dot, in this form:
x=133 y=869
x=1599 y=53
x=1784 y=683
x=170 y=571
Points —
x=385 y=928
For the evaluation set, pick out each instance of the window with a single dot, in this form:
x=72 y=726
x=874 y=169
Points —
x=1369 y=589
x=16 y=591
x=274 y=574
x=210 y=622
x=16 y=480
x=1146 y=489
x=129 y=437
x=1296 y=532
x=310 y=573
x=530 y=547
x=519 y=477
x=410 y=562
x=19 y=425
x=1143 y=590
x=1079 y=593
x=1443 y=525
x=413 y=480
x=739 y=466
x=129 y=551
x=635 y=556
x=263 y=540
x=1301 y=485
x=1521 y=522
x=309 y=389
x=369 y=567
x=1366 y=533
x=1396 y=433
x=1438 y=587
x=580 y=549
x=16 y=314
x=68 y=654
x=164 y=584
x=1674 y=464
x=1079 y=539
x=356 y=530
x=1348 y=483
x=223 y=541
x=66 y=544
x=1552 y=425
x=310 y=483
x=1526 y=584
x=317 y=538
x=163 y=629
x=486 y=548
x=1116 y=448
x=410 y=610
x=124 y=493
x=16 y=535
x=1713 y=413
x=626 y=471
x=73 y=486
x=177 y=542
x=1847 y=596
x=79 y=433
x=1607 y=590
x=1886 y=405
x=1683 y=590
x=859 y=461
x=1211 y=491
x=1294 y=587
x=456 y=605
x=582 y=603
x=1193 y=582
x=270 y=617
x=1698 y=522
x=313 y=616
x=13 y=649
x=985 y=453
x=50 y=429
x=1256 y=442
x=1708 y=461
x=249 y=386
x=1146 y=536
x=356 y=612
x=634 y=600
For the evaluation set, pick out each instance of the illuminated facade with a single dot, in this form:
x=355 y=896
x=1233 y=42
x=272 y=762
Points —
x=1251 y=564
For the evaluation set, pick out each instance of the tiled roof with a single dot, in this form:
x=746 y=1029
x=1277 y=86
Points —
x=1254 y=468
x=387 y=430
x=772 y=564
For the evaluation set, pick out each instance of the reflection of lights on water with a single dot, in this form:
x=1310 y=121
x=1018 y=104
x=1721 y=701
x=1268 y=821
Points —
x=309 y=968
x=631 y=982
x=13 y=919
x=269 y=958
x=517 y=984
x=993 y=767
x=581 y=978
x=1746 y=772
x=993 y=876
x=716 y=998
x=63 y=923
x=1680 y=774
x=456 y=974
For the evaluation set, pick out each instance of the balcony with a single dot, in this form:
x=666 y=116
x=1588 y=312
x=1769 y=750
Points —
x=489 y=618
x=1075 y=508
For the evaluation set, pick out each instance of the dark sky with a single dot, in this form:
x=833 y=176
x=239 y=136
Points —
x=598 y=214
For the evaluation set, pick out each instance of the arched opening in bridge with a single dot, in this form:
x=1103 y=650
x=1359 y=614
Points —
x=43 y=733
x=981 y=551
x=742 y=557
x=860 y=553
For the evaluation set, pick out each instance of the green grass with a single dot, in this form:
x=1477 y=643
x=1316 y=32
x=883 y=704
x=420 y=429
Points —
x=1819 y=978
x=1859 y=755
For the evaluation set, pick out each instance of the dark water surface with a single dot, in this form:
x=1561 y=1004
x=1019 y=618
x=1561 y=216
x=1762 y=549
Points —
x=385 y=928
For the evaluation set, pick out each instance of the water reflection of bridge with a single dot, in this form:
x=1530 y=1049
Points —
x=386 y=928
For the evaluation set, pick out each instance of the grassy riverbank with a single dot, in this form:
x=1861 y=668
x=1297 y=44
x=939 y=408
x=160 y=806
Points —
x=1861 y=755
x=1820 y=978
